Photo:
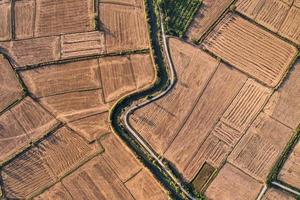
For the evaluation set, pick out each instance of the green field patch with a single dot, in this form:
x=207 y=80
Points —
x=203 y=176
x=178 y=14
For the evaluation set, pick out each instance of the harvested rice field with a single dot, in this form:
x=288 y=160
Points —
x=232 y=183
x=251 y=49
x=279 y=16
x=10 y=87
x=205 y=17
x=228 y=118
x=125 y=26
x=5 y=22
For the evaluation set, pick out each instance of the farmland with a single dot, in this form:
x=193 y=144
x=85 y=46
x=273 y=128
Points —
x=290 y=172
x=178 y=15
x=205 y=17
x=226 y=39
x=97 y=102
x=278 y=16
x=10 y=87
x=60 y=75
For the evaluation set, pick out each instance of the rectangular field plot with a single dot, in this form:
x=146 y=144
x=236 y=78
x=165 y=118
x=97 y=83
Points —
x=34 y=51
x=5 y=20
x=65 y=16
x=261 y=146
x=96 y=180
x=24 y=19
x=62 y=78
x=143 y=69
x=56 y=192
x=117 y=77
x=246 y=106
x=92 y=127
x=125 y=27
x=119 y=157
x=232 y=183
x=209 y=12
x=213 y=151
x=203 y=176
x=290 y=27
x=40 y=166
x=144 y=187
x=75 y=105
x=290 y=172
x=82 y=44
x=10 y=88
x=34 y=119
x=284 y=104
x=12 y=135
x=270 y=14
x=217 y=96
x=278 y=16
x=23 y=123
x=251 y=49
x=160 y=121
x=26 y=175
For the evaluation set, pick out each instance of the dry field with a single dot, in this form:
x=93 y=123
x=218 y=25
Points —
x=209 y=12
x=213 y=151
x=261 y=146
x=36 y=153
x=92 y=127
x=25 y=122
x=66 y=16
x=117 y=77
x=144 y=187
x=125 y=27
x=34 y=119
x=290 y=173
x=251 y=49
x=24 y=19
x=121 y=74
x=159 y=122
x=96 y=180
x=273 y=194
x=12 y=136
x=59 y=79
x=279 y=16
x=57 y=192
x=233 y=184
x=82 y=44
x=41 y=165
x=5 y=20
x=119 y=157
x=75 y=105
x=284 y=104
x=217 y=96
x=33 y=51
x=245 y=107
x=10 y=89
